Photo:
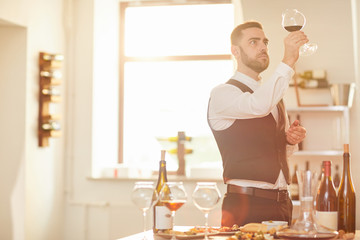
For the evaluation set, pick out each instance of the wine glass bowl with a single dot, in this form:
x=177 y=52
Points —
x=205 y=197
x=144 y=197
x=173 y=196
x=294 y=20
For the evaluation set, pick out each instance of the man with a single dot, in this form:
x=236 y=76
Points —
x=252 y=131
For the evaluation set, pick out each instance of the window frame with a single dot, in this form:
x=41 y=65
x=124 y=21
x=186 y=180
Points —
x=124 y=59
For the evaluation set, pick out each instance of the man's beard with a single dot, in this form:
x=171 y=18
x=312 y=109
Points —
x=257 y=66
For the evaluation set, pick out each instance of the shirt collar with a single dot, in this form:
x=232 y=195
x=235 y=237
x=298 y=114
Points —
x=248 y=81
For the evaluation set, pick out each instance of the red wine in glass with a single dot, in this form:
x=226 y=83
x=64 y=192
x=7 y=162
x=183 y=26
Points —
x=293 y=28
x=293 y=20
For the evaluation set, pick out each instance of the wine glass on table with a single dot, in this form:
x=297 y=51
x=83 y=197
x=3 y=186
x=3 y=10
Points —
x=144 y=197
x=205 y=197
x=293 y=20
x=173 y=196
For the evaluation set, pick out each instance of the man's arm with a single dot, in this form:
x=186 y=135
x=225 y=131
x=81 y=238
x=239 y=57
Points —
x=292 y=44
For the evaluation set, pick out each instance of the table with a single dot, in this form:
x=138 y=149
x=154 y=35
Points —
x=150 y=235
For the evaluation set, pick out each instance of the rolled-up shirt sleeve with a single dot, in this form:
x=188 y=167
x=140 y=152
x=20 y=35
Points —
x=229 y=102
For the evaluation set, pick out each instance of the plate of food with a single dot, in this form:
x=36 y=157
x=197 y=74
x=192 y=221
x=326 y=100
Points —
x=252 y=231
x=275 y=225
x=192 y=233
x=227 y=230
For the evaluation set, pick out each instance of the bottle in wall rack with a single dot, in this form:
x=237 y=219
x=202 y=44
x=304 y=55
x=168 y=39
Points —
x=346 y=197
x=161 y=214
x=326 y=199
x=313 y=83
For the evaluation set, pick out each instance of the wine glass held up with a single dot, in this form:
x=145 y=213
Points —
x=293 y=20
x=144 y=197
x=173 y=196
x=205 y=197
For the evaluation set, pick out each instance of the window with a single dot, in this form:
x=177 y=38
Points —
x=171 y=56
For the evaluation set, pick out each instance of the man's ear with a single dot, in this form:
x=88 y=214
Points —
x=235 y=50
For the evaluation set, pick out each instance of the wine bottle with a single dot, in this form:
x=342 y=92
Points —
x=326 y=199
x=175 y=151
x=337 y=176
x=346 y=196
x=312 y=83
x=51 y=91
x=51 y=125
x=56 y=74
x=161 y=214
x=321 y=174
x=294 y=186
x=174 y=139
x=53 y=57
x=314 y=74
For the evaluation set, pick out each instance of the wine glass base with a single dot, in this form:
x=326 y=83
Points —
x=308 y=49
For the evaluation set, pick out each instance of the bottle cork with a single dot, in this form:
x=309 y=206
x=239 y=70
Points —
x=346 y=148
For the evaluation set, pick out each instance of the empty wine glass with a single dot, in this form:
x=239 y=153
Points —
x=293 y=20
x=144 y=197
x=173 y=196
x=205 y=197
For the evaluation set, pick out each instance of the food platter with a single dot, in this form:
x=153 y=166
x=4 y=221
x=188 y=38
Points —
x=302 y=236
x=184 y=236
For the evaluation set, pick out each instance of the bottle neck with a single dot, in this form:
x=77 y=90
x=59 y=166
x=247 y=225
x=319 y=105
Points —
x=346 y=167
x=327 y=171
x=162 y=171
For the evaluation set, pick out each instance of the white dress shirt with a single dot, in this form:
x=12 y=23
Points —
x=229 y=103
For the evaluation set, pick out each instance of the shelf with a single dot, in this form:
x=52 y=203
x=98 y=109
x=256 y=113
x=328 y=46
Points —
x=52 y=98
x=49 y=76
x=328 y=153
x=51 y=133
x=318 y=109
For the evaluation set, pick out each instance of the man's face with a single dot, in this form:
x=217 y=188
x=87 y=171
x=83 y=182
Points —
x=253 y=49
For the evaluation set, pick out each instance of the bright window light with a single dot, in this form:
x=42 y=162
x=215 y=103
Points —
x=164 y=97
x=178 y=30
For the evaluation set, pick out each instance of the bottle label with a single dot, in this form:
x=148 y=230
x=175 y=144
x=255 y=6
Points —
x=328 y=219
x=163 y=218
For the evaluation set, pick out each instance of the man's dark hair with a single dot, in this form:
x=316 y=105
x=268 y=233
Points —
x=237 y=32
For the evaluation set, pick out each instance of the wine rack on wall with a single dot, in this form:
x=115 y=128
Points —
x=50 y=79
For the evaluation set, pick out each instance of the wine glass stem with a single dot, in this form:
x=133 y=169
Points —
x=144 y=223
x=206 y=225
x=173 y=225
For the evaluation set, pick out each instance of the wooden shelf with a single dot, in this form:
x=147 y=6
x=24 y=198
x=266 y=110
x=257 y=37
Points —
x=341 y=112
x=328 y=153
x=52 y=98
x=319 y=109
x=51 y=65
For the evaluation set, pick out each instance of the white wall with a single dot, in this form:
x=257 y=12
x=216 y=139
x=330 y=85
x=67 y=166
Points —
x=33 y=176
x=12 y=128
x=325 y=21
x=44 y=166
